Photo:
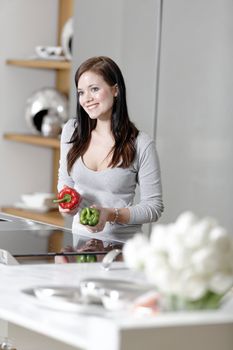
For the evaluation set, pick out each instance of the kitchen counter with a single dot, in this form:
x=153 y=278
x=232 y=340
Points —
x=109 y=330
x=93 y=328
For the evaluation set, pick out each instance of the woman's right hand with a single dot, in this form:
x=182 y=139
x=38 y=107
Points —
x=68 y=211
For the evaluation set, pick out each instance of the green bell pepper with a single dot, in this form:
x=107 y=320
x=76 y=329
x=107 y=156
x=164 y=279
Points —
x=89 y=216
x=86 y=258
x=91 y=258
x=81 y=259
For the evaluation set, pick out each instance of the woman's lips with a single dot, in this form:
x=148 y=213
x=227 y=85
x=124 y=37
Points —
x=90 y=107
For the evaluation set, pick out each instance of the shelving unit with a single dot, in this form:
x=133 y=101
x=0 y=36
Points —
x=44 y=64
x=36 y=140
x=40 y=141
x=62 y=69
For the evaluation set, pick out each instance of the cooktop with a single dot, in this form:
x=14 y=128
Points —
x=29 y=241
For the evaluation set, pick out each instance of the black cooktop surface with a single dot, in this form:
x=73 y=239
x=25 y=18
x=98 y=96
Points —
x=27 y=240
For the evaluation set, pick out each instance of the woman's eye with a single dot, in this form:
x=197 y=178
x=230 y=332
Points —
x=80 y=93
x=95 y=89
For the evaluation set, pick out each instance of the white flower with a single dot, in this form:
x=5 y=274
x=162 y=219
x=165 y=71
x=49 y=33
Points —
x=158 y=273
x=179 y=257
x=219 y=238
x=185 y=221
x=135 y=251
x=159 y=237
x=187 y=258
x=198 y=234
x=205 y=260
x=192 y=286
x=220 y=283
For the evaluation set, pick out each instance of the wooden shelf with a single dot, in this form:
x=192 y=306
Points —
x=52 y=217
x=39 y=63
x=62 y=84
x=36 y=140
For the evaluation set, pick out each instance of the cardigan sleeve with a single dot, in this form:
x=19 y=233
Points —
x=63 y=177
x=150 y=206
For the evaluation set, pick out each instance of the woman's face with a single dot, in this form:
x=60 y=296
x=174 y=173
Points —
x=96 y=96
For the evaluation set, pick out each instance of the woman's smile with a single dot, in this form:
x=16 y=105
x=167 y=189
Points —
x=92 y=106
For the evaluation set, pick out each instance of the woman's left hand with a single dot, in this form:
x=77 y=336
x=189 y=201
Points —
x=103 y=218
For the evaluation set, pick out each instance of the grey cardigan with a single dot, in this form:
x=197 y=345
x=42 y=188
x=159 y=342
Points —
x=115 y=187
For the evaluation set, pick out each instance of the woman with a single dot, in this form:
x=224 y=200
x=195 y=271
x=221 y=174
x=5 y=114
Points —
x=104 y=156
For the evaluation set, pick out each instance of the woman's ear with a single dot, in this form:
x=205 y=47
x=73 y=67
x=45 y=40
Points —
x=115 y=91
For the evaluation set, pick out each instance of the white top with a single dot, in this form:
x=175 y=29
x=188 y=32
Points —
x=115 y=187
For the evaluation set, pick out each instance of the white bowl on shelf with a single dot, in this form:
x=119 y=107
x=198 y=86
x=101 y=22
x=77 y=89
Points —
x=37 y=201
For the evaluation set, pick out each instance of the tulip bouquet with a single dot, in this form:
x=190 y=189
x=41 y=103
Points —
x=190 y=261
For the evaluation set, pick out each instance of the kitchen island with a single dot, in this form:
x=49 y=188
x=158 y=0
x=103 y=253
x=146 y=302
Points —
x=94 y=328
x=91 y=330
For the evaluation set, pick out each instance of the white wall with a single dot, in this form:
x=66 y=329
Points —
x=195 y=121
x=23 y=25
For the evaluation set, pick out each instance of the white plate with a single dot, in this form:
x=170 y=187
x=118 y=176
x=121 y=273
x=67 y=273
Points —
x=37 y=200
x=53 y=58
x=49 y=52
x=41 y=209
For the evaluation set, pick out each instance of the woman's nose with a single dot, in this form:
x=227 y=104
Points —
x=88 y=97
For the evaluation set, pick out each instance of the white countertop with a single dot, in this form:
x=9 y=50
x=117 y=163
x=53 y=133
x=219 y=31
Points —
x=83 y=330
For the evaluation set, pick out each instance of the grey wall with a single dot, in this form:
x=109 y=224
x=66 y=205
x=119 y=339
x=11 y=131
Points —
x=195 y=90
x=127 y=31
x=195 y=121
x=23 y=25
x=195 y=86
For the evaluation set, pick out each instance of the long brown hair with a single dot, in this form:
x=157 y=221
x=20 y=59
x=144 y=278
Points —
x=124 y=131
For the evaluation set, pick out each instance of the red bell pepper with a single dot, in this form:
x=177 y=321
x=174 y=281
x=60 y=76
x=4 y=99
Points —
x=68 y=198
